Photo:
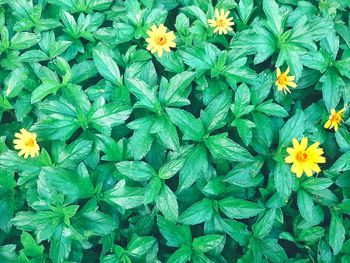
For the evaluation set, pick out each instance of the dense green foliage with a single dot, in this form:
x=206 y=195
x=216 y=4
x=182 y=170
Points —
x=178 y=158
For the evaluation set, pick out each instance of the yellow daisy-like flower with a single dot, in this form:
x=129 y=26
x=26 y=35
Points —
x=283 y=81
x=26 y=143
x=221 y=22
x=304 y=159
x=334 y=119
x=160 y=40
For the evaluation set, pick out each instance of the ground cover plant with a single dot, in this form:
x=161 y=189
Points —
x=174 y=131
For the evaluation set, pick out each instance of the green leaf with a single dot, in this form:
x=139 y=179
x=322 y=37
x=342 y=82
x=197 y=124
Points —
x=176 y=235
x=262 y=134
x=336 y=232
x=283 y=179
x=182 y=255
x=195 y=164
x=152 y=190
x=242 y=98
x=171 y=168
x=33 y=56
x=342 y=65
x=146 y=97
x=173 y=94
x=239 y=208
x=167 y=203
x=259 y=41
x=312 y=234
x=316 y=183
x=196 y=12
x=23 y=40
x=103 y=117
x=294 y=128
x=61 y=244
x=140 y=144
x=272 y=250
x=197 y=213
x=113 y=150
x=245 y=174
x=305 y=205
x=7 y=200
x=31 y=248
x=244 y=128
x=263 y=227
x=291 y=53
x=140 y=245
x=272 y=109
x=74 y=185
x=106 y=65
x=245 y=9
x=8 y=253
x=166 y=132
x=73 y=154
x=331 y=85
x=222 y=147
x=206 y=243
x=240 y=74
x=342 y=164
x=137 y=171
x=171 y=62
x=274 y=16
x=12 y=162
x=83 y=71
x=124 y=196
x=15 y=82
x=198 y=257
x=43 y=90
x=213 y=117
x=237 y=230
x=261 y=87
x=196 y=58
x=95 y=222
x=191 y=127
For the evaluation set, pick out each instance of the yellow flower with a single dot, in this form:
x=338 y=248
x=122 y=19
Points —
x=304 y=159
x=221 y=22
x=283 y=81
x=334 y=119
x=159 y=39
x=26 y=143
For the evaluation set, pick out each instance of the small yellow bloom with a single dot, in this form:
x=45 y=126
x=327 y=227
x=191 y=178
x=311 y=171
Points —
x=159 y=39
x=221 y=22
x=26 y=143
x=334 y=119
x=304 y=159
x=283 y=81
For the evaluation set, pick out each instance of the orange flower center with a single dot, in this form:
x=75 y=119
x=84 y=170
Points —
x=220 y=22
x=282 y=79
x=161 y=40
x=29 y=143
x=301 y=156
x=336 y=117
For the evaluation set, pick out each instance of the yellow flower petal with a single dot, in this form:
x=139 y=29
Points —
x=278 y=72
x=303 y=143
x=26 y=143
x=304 y=159
x=327 y=124
x=287 y=71
x=221 y=22
x=160 y=40
x=291 y=84
x=295 y=143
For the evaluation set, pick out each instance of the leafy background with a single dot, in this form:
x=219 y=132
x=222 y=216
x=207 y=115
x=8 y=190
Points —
x=178 y=158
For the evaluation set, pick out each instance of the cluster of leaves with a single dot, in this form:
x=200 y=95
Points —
x=176 y=158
